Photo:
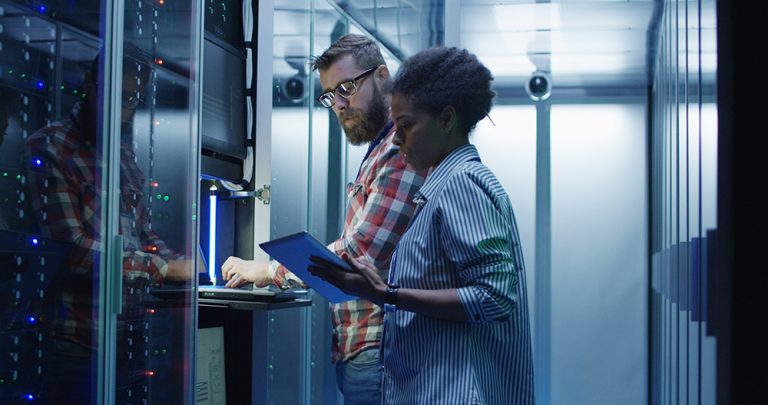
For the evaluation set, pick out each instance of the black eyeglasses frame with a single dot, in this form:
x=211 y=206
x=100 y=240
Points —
x=330 y=95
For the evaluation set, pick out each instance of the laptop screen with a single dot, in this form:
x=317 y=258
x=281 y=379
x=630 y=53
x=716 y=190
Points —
x=204 y=277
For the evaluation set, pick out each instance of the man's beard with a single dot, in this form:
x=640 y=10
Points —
x=366 y=127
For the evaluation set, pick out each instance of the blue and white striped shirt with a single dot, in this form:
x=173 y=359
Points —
x=463 y=236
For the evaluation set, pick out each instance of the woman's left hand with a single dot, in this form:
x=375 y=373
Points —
x=364 y=281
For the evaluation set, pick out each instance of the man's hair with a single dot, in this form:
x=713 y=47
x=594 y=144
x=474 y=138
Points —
x=438 y=77
x=364 y=51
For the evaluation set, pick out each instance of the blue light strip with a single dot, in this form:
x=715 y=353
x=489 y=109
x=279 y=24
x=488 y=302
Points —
x=212 y=234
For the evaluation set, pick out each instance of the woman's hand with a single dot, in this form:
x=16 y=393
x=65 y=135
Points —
x=364 y=281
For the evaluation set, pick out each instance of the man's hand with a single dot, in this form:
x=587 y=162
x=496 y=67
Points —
x=179 y=270
x=238 y=272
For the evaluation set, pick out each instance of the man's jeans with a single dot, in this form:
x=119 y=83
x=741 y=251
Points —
x=359 y=378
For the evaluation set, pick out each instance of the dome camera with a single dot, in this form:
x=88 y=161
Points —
x=539 y=86
x=293 y=88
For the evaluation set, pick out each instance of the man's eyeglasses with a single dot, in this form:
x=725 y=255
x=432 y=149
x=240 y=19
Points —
x=346 y=89
x=132 y=100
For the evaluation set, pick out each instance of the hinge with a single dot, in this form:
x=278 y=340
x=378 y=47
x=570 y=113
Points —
x=263 y=194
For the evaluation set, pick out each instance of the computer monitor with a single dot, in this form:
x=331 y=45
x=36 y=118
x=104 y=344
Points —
x=223 y=127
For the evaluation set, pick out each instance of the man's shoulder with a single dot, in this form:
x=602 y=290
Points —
x=391 y=163
x=57 y=135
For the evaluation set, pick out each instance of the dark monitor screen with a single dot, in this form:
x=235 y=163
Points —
x=224 y=109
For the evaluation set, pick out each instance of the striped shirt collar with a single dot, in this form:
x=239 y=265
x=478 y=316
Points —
x=462 y=154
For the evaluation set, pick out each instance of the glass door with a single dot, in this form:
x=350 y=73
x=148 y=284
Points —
x=97 y=232
x=154 y=190
x=51 y=239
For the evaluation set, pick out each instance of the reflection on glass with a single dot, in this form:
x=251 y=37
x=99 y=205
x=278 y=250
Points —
x=46 y=343
x=53 y=172
x=157 y=188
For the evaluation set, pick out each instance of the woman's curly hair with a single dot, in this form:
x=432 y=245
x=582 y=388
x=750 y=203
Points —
x=438 y=77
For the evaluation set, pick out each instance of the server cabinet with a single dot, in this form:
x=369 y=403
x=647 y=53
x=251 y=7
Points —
x=99 y=106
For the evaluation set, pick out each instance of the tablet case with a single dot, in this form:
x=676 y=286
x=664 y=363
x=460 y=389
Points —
x=293 y=252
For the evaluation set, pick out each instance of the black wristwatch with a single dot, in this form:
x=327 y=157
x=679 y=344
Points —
x=390 y=298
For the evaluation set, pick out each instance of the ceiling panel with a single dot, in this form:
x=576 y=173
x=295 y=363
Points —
x=587 y=43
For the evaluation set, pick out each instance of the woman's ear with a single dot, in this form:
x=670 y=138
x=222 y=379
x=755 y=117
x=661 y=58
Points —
x=448 y=118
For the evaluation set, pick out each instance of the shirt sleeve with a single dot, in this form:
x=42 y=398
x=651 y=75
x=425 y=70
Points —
x=378 y=212
x=152 y=260
x=477 y=234
x=282 y=277
x=57 y=199
x=67 y=200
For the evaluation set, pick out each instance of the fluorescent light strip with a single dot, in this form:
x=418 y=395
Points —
x=212 y=234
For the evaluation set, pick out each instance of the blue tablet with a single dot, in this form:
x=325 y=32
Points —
x=293 y=252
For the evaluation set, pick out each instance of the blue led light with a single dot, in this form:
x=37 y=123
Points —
x=38 y=162
x=212 y=234
x=31 y=320
x=40 y=85
x=29 y=397
x=42 y=9
x=35 y=241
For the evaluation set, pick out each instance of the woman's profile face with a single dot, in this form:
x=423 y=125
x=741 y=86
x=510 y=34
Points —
x=420 y=135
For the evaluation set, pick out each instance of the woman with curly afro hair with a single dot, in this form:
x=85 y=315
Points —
x=456 y=327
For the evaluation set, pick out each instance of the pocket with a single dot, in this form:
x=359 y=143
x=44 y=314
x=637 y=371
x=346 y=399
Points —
x=356 y=197
x=366 y=358
x=353 y=189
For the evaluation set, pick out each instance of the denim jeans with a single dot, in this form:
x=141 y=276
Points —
x=359 y=378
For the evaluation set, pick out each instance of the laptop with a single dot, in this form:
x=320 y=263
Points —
x=248 y=292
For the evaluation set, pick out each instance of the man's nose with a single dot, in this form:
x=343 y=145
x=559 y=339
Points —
x=340 y=104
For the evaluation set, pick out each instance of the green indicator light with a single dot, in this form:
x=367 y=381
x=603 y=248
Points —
x=61 y=87
x=10 y=72
x=5 y=174
x=23 y=76
x=155 y=352
x=18 y=177
x=194 y=217
x=163 y=351
x=166 y=198
x=159 y=196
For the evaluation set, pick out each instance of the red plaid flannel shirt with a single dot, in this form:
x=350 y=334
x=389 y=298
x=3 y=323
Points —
x=379 y=208
x=65 y=186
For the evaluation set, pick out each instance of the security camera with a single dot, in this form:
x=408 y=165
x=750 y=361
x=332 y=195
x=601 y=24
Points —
x=539 y=86
x=293 y=88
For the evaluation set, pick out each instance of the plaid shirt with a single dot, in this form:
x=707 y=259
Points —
x=379 y=207
x=65 y=185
